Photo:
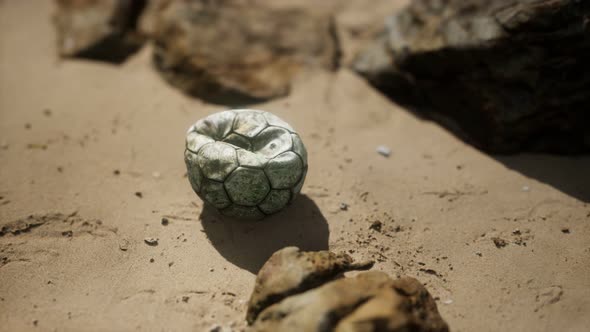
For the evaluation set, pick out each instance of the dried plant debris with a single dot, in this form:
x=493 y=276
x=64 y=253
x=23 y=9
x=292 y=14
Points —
x=224 y=51
x=98 y=29
x=370 y=301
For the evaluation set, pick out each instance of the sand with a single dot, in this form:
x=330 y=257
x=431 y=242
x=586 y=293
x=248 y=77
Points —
x=91 y=159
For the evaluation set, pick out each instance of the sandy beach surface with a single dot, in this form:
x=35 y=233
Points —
x=91 y=162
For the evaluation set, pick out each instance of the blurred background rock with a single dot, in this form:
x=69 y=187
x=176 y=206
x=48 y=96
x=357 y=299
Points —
x=506 y=76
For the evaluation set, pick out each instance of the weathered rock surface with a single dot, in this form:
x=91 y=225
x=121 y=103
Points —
x=371 y=301
x=290 y=271
x=230 y=52
x=510 y=73
x=98 y=29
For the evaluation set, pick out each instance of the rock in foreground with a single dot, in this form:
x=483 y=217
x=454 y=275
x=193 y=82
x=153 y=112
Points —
x=98 y=29
x=290 y=271
x=231 y=53
x=306 y=296
x=511 y=73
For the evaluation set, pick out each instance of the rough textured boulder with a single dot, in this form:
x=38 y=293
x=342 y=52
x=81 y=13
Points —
x=306 y=296
x=290 y=271
x=510 y=73
x=233 y=53
x=98 y=29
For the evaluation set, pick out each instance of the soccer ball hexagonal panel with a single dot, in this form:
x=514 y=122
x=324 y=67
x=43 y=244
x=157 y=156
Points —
x=275 y=201
x=216 y=126
x=247 y=186
x=299 y=148
x=249 y=122
x=213 y=193
x=238 y=140
x=246 y=163
x=193 y=170
x=297 y=189
x=195 y=141
x=217 y=160
x=250 y=159
x=272 y=141
x=285 y=170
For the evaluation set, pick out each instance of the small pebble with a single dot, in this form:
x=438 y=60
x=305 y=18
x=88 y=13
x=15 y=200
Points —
x=384 y=150
x=499 y=243
x=343 y=206
x=124 y=244
x=37 y=146
x=150 y=241
x=525 y=188
x=565 y=230
x=152 y=260
x=116 y=172
x=449 y=301
x=376 y=225
x=165 y=221
x=211 y=269
x=219 y=328
x=139 y=194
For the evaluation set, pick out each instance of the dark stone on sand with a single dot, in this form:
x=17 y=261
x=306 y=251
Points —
x=507 y=75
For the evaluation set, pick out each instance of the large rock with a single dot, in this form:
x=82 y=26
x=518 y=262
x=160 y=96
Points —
x=98 y=29
x=230 y=52
x=305 y=297
x=290 y=271
x=510 y=73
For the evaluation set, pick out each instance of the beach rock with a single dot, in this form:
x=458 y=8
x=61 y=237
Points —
x=509 y=73
x=307 y=296
x=233 y=53
x=98 y=29
x=290 y=271
x=403 y=305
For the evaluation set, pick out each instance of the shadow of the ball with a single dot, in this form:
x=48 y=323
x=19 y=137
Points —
x=248 y=244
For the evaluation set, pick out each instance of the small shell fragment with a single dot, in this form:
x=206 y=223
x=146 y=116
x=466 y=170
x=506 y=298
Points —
x=384 y=151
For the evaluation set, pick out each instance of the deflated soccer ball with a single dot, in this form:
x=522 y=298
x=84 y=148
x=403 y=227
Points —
x=246 y=163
